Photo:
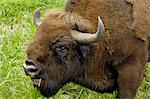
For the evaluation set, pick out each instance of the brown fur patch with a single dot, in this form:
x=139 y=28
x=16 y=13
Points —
x=118 y=60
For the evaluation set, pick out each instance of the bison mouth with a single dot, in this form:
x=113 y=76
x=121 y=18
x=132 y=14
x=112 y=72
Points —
x=46 y=86
x=40 y=79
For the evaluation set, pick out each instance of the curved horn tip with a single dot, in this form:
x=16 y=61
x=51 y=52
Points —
x=100 y=23
x=37 y=14
x=101 y=28
x=38 y=9
x=99 y=19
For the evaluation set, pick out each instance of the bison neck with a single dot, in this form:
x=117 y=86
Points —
x=98 y=73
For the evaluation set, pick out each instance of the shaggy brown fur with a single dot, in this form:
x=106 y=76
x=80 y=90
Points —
x=117 y=61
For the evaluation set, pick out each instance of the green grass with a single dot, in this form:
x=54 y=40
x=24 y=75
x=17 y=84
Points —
x=16 y=29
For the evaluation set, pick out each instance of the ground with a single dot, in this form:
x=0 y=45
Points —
x=16 y=30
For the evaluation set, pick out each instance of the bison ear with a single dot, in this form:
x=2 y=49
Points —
x=84 y=51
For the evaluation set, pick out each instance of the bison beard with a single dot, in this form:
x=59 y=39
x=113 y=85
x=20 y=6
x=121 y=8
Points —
x=48 y=87
x=68 y=46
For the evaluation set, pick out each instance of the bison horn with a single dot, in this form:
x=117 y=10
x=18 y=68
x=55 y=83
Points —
x=37 y=15
x=88 y=38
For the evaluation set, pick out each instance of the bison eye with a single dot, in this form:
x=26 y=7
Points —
x=61 y=51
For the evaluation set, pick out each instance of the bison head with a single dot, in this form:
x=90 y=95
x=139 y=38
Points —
x=58 y=52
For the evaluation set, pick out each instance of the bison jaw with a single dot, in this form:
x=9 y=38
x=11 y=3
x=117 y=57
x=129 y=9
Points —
x=88 y=38
x=40 y=78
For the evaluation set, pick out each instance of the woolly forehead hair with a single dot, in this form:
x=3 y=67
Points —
x=75 y=20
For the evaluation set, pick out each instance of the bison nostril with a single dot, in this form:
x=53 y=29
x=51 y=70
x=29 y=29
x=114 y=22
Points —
x=33 y=70
x=40 y=72
x=28 y=62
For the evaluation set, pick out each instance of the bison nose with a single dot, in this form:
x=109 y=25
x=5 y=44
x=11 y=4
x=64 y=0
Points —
x=31 y=69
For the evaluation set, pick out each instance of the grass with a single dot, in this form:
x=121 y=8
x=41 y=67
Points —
x=16 y=29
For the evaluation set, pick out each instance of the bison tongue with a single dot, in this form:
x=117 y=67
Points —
x=37 y=82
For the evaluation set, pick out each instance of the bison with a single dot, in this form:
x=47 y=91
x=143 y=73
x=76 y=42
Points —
x=69 y=46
